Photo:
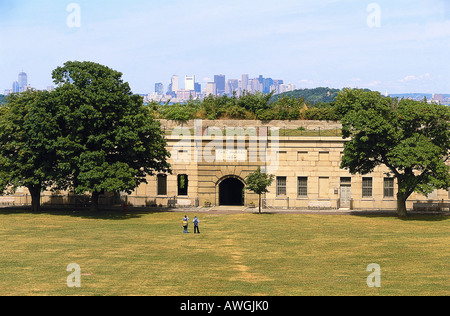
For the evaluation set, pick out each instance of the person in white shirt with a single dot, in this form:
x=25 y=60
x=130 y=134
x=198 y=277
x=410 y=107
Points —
x=185 y=224
x=196 y=221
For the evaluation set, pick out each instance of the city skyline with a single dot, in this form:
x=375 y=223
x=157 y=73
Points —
x=220 y=86
x=398 y=47
x=192 y=89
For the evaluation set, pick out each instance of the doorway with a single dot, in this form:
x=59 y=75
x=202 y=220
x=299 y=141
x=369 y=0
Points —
x=346 y=192
x=231 y=192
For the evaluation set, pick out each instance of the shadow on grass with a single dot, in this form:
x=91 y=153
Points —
x=106 y=213
x=412 y=216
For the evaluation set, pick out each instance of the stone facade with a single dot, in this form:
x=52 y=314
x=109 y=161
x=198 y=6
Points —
x=210 y=166
x=308 y=173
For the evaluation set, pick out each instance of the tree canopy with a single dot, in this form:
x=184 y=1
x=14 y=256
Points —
x=411 y=138
x=112 y=140
x=257 y=106
x=28 y=141
x=91 y=134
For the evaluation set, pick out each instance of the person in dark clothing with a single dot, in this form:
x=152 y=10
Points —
x=196 y=221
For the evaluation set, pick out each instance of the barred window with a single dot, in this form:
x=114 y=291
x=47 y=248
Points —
x=367 y=187
x=388 y=187
x=183 y=185
x=302 y=186
x=281 y=186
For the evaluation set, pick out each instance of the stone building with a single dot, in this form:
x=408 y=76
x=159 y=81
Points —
x=211 y=159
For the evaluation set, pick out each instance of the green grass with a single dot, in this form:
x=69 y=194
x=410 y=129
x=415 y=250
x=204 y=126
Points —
x=239 y=254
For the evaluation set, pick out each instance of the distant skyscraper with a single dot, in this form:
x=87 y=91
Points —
x=189 y=83
x=15 y=87
x=267 y=83
x=23 y=81
x=261 y=79
x=198 y=87
x=232 y=85
x=159 y=88
x=211 y=88
x=175 y=85
x=255 y=85
x=244 y=82
x=219 y=80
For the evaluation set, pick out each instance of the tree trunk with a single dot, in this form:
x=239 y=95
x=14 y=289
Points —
x=94 y=201
x=260 y=204
x=35 y=192
x=401 y=204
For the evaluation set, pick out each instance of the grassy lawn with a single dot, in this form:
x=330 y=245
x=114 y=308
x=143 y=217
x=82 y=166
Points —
x=239 y=254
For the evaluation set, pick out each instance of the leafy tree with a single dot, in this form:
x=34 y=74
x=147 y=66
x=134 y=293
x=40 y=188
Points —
x=28 y=142
x=2 y=99
x=412 y=139
x=259 y=182
x=111 y=141
x=313 y=96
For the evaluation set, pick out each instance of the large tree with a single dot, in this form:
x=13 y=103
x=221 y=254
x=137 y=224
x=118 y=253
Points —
x=111 y=141
x=28 y=138
x=410 y=138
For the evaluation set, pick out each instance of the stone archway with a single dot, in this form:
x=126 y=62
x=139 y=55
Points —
x=231 y=191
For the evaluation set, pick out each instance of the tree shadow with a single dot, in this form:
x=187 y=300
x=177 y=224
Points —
x=106 y=213
x=412 y=215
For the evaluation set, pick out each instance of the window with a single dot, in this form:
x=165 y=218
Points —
x=281 y=186
x=388 y=187
x=302 y=186
x=346 y=181
x=183 y=184
x=367 y=187
x=162 y=184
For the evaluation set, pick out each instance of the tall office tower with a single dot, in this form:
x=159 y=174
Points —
x=175 y=86
x=232 y=86
x=23 y=81
x=189 y=83
x=268 y=82
x=219 y=80
x=159 y=88
x=211 y=89
x=15 y=87
x=256 y=85
x=198 y=87
x=244 y=82
x=261 y=79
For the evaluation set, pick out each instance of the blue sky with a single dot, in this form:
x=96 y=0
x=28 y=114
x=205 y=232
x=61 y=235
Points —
x=305 y=42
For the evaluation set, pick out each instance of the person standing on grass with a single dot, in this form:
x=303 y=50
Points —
x=185 y=224
x=196 y=221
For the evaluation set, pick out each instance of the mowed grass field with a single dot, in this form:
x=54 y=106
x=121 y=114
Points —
x=235 y=254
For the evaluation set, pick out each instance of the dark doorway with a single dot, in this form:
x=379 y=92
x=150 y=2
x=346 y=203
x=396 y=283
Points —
x=231 y=192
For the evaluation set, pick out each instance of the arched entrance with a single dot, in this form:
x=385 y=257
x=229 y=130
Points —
x=231 y=192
